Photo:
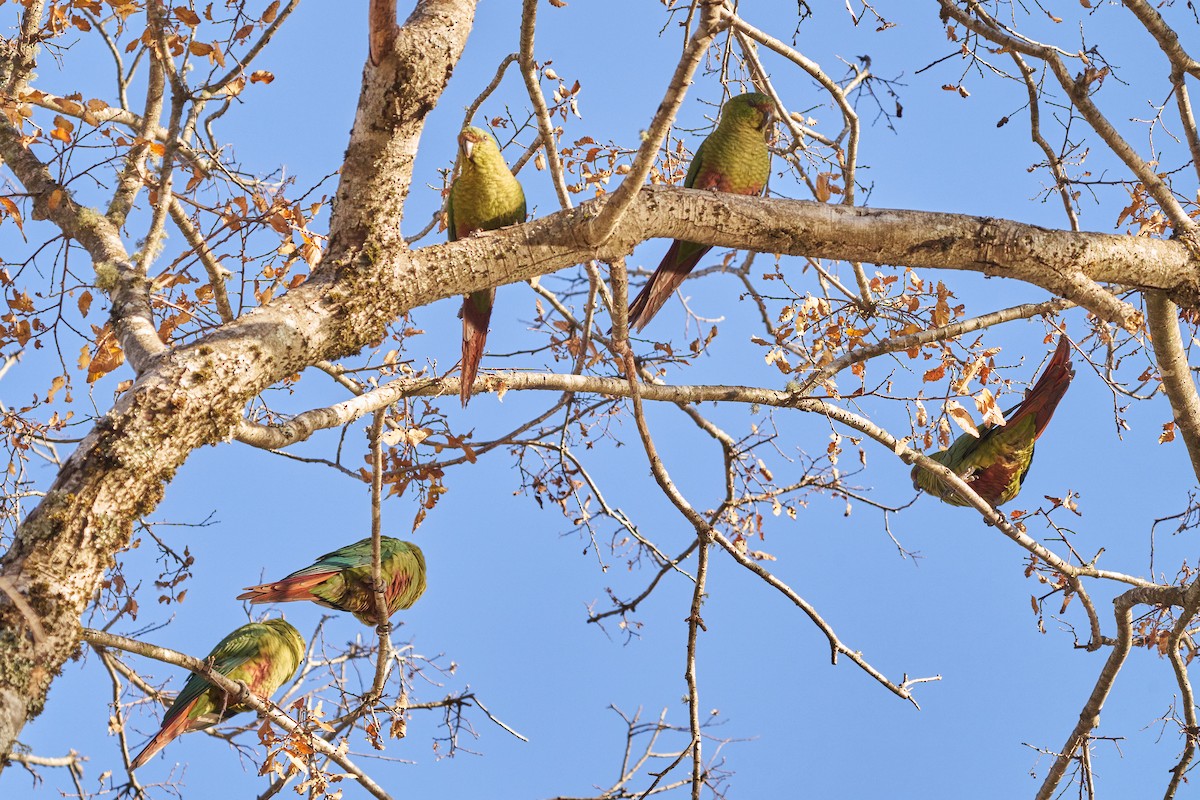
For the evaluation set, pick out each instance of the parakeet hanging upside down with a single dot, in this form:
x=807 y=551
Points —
x=484 y=196
x=342 y=580
x=996 y=463
x=263 y=655
x=734 y=158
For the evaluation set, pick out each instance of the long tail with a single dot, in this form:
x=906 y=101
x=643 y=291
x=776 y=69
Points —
x=171 y=728
x=665 y=280
x=476 y=313
x=285 y=591
x=1050 y=387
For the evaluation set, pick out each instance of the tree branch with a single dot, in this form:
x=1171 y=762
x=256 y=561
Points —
x=1089 y=717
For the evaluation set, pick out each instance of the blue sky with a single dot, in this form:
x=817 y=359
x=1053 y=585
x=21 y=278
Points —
x=509 y=584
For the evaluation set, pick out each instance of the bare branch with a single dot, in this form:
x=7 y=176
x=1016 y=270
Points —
x=547 y=140
x=1089 y=716
x=383 y=658
x=1187 y=698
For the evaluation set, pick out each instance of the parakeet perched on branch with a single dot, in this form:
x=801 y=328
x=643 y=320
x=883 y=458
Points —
x=263 y=655
x=484 y=196
x=734 y=158
x=996 y=463
x=342 y=580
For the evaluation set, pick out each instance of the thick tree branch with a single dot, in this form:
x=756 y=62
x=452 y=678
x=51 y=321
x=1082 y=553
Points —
x=1062 y=262
x=1176 y=374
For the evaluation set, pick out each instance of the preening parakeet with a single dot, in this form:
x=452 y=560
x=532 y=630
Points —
x=996 y=463
x=484 y=196
x=342 y=580
x=734 y=158
x=264 y=655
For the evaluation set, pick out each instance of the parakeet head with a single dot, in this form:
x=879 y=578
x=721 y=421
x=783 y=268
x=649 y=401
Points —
x=476 y=144
x=752 y=109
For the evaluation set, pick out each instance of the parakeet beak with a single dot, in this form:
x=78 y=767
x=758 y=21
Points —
x=467 y=147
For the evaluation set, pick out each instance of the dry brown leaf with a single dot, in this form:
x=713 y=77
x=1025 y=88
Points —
x=1168 y=433
x=107 y=355
x=961 y=417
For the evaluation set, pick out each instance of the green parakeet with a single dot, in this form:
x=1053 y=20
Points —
x=996 y=463
x=263 y=655
x=342 y=580
x=484 y=196
x=734 y=158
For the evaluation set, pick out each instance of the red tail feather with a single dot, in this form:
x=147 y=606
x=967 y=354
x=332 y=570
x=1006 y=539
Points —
x=172 y=728
x=662 y=284
x=1043 y=398
x=475 y=329
x=286 y=590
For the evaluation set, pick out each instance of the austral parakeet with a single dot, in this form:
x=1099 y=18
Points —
x=342 y=580
x=996 y=463
x=734 y=158
x=483 y=197
x=263 y=655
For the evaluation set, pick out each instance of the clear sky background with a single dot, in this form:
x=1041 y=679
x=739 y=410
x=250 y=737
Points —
x=509 y=584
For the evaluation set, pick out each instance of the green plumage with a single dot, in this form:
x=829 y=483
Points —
x=342 y=580
x=484 y=196
x=995 y=464
x=263 y=655
x=734 y=158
